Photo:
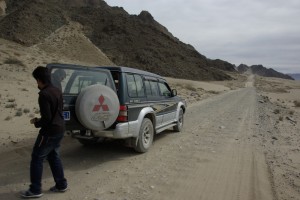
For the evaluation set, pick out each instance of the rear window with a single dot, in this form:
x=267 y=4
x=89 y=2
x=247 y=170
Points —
x=72 y=81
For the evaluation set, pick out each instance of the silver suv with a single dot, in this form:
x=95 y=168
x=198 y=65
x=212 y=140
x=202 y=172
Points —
x=117 y=102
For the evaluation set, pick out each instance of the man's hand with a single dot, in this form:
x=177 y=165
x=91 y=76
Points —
x=33 y=120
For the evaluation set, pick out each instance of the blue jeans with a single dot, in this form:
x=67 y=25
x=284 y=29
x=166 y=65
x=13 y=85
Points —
x=46 y=147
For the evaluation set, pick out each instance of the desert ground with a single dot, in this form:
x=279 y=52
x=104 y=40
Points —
x=240 y=140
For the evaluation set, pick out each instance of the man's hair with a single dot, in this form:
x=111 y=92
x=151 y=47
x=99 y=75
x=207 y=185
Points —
x=42 y=74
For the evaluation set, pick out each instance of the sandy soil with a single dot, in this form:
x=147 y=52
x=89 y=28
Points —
x=240 y=141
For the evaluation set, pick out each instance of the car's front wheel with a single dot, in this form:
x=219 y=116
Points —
x=146 y=136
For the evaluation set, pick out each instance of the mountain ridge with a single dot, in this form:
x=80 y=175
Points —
x=137 y=41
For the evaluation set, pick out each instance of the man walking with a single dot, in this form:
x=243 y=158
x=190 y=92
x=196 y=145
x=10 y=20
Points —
x=51 y=132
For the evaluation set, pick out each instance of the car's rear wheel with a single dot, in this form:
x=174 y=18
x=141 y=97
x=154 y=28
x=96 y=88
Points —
x=146 y=136
x=179 y=123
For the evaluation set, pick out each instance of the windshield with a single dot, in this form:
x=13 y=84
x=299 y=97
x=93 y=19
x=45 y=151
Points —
x=72 y=81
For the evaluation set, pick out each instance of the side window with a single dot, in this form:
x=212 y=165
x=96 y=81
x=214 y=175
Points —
x=135 y=85
x=148 y=88
x=164 y=90
x=139 y=86
x=154 y=88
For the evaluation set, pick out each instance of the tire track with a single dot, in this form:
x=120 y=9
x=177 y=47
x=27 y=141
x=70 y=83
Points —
x=233 y=169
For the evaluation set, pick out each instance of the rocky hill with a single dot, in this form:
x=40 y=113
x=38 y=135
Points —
x=131 y=40
x=295 y=76
x=263 y=71
x=242 y=68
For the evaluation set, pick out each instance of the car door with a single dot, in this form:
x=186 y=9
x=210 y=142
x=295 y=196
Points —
x=76 y=79
x=168 y=103
x=154 y=99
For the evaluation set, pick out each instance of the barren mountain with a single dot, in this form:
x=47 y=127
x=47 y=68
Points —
x=242 y=68
x=131 y=40
x=263 y=71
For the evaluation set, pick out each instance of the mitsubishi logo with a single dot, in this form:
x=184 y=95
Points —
x=101 y=105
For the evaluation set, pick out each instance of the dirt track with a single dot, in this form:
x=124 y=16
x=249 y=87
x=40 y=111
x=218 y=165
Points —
x=213 y=158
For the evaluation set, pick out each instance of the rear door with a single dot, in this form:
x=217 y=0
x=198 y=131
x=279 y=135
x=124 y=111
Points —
x=135 y=95
x=154 y=99
x=76 y=79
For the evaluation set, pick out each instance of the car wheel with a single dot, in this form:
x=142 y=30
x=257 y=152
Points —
x=146 y=135
x=179 y=123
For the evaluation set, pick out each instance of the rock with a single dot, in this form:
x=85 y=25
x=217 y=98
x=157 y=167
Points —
x=195 y=94
x=274 y=138
x=291 y=119
x=13 y=141
x=261 y=101
x=221 y=127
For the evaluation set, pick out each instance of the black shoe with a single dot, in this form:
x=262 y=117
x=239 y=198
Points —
x=55 y=189
x=28 y=194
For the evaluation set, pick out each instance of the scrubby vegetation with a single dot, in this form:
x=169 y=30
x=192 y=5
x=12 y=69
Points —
x=14 y=61
x=297 y=103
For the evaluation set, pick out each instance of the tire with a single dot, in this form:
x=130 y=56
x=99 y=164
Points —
x=179 y=123
x=146 y=136
x=97 y=107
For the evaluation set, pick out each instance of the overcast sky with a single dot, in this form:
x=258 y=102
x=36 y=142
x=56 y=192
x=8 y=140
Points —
x=251 y=32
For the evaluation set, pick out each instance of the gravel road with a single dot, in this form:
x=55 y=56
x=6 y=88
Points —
x=213 y=158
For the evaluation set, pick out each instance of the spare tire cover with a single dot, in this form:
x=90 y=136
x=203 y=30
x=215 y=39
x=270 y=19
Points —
x=97 y=107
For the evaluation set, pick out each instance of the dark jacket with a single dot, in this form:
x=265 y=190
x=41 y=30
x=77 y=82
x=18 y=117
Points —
x=51 y=108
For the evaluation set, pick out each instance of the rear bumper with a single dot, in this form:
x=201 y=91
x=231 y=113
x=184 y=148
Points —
x=122 y=130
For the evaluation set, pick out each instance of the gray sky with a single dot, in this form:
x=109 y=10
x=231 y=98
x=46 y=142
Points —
x=251 y=32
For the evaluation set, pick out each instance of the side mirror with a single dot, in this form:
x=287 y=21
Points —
x=174 y=93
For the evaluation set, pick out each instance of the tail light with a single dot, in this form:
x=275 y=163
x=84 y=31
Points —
x=123 y=114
